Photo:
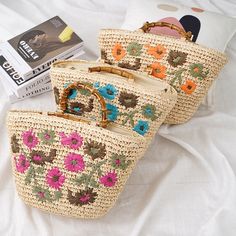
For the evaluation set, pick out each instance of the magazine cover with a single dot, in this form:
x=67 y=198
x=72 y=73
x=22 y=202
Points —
x=45 y=41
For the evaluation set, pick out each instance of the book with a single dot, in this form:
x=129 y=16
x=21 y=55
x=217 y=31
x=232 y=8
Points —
x=35 y=50
x=27 y=56
x=16 y=82
x=41 y=84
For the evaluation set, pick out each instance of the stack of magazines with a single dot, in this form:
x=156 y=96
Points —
x=25 y=59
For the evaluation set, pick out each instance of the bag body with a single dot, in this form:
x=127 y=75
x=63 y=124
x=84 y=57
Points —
x=133 y=101
x=68 y=167
x=187 y=66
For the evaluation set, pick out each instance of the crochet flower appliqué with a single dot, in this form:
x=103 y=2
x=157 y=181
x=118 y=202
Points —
x=118 y=52
x=108 y=91
x=83 y=197
x=22 y=164
x=128 y=100
x=109 y=179
x=134 y=49
x=73 y=141
x=112 y=111
x=29 y=139
x=141 y=127
x=95 y=150
x=176 y=58
x=74 y=162
x=47 y=136
x=55 y=178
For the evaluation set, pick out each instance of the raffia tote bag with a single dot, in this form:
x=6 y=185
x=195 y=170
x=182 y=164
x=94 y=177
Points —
x=68 y=166
x=132 y=100
x=190 y=68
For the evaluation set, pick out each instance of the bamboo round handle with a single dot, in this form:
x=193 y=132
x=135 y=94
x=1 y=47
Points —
x=147 y=26
x=78 y=85
x=112 y=70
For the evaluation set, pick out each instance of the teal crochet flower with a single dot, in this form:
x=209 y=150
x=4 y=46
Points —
x=141 y=127
x=108 y=91
x=112 y=112
x=73 y=92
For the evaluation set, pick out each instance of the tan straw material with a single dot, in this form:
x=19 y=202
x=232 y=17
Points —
x=132 y=100
x=68 y=167
x=188 y=67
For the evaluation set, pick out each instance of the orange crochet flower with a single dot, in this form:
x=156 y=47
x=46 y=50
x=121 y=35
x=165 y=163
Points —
x=118 y=52
x=189 y=87
x=158 y=52
x=158 y=70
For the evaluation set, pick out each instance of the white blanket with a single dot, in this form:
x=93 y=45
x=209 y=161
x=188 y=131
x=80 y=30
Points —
x=184 y=186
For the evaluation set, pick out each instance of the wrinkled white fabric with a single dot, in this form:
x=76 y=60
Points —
x=185 y=184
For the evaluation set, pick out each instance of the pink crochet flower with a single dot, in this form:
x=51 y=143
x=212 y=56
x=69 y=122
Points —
x=22 y=164
x=109 y=179
x=74 y=140
x=74 y=162
x=29 y=139
x=55 y=178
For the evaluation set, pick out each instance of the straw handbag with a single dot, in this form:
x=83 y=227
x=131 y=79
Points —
x=68 y=166
x=132 y=100
x=190 y=68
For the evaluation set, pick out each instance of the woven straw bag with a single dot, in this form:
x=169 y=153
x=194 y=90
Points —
x=68 y=166
x=132 y=100
x=190 y=68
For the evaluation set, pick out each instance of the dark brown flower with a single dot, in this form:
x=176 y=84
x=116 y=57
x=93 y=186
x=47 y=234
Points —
x=104 y=57
x=38 y=157
x=83 y=197
x=14 y=144
x=127 y=65
x=95 y=149
x=128 y=99
x=56 y=94
x=176 y=58
x=79 y=108
x=51 y=156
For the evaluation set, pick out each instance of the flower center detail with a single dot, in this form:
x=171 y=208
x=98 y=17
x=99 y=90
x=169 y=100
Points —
x=109 y=179
x=85 y=198
x=118 y=51
x=74 y=141
x=55 y=178
x=94 y=150
x=142 y=127
x=109 y=92
x=47 y=136
x=157 y=70
x=177 y=59
x=74 y=162
x=23 y=163
x=37 y=158
x=117 y=162
x=30 y=139
x=41 y=194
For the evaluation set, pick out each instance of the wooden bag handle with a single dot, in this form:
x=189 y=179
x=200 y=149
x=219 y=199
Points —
x=112 y=70
x=78 y=85
x=147 y=26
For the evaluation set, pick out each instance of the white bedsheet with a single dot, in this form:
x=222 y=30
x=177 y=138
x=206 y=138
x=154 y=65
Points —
x=184 y=186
